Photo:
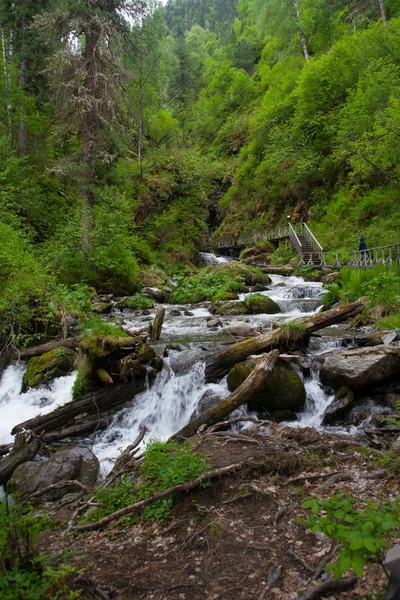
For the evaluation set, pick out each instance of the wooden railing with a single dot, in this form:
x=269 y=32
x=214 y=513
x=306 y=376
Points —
x=379 y=255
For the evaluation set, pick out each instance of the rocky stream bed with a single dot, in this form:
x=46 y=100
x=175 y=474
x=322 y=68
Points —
x=317 y=426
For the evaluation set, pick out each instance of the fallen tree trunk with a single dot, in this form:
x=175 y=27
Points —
x=92 y=405
x=25 y=448
x=220 y=363
x=39 y=350
x=240 y=396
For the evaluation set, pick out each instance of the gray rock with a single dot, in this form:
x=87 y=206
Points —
x=239 y=330
x=173 y=346
x=338 y=408
x=73 y=463
x=187 y=313
x=101 y=308
x=174 y=313
x=207 y=401
x=360 y=367
x=214 y=323
x=154 y=293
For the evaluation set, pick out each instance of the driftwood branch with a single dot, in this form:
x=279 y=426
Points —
x=240 y=396
x=59 y=486
x=173 y=490
x=274 y=576
x=331 y=586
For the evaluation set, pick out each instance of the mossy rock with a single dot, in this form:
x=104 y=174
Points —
x=259 y=304
x=101 y=308
x=283 y=415
x=145 y=353
x=42 y=369
x=283 y=390
x=138 y=302
x=232 y=308
x=224 y=296
x=132 y=369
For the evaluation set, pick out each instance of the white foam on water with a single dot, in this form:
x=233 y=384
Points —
x=16 y=407
x=163 y=409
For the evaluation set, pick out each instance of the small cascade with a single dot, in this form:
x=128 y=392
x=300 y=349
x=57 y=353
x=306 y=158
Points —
x=163 y=409
x=16 y=407
x=211 y=259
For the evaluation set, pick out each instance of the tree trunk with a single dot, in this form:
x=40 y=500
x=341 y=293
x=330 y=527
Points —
x=39 y=350
x=85 y=410
x=300 y=29
x=157 y=324
x=220 y=363
x=25 y=448
x=240 y=396
x=382 y=11
x=23 y=127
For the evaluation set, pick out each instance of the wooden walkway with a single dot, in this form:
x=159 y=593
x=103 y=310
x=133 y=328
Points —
x=310 y=250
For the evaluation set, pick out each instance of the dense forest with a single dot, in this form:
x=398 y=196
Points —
x=130 y=131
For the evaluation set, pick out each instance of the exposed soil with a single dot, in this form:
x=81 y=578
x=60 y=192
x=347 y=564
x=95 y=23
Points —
x=223 y=542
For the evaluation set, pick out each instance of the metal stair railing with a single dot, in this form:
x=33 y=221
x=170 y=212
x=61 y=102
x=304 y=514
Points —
x=316 y=246
x=276 y=233
x=294 y=240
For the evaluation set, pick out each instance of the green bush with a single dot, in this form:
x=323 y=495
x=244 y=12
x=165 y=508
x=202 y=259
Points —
x=362 y=530
x=139 y=302
x=93 y=325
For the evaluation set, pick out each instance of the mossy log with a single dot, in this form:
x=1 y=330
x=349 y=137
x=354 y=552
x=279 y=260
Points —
x=221 y=362
x=90 y=407
x=25 y=448
x=240 y=396
x=102 y=346
x=157 y=324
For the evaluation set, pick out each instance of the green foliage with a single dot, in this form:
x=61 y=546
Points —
x=138 y=302
x=363 y=531
x=26 y=574
x=390 y=322
x=290 y=333
x=208 y=285
x=93 y=325
x=165 y=464
x=332 y=296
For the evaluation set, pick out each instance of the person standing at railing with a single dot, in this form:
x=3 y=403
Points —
x=363 y=248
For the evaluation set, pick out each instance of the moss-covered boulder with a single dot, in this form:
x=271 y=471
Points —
x=259 y=304
x=101 y=308
x=98 y=346
x=132 y=369
x=42 y=369
x=283 y=390
x=232 y=308
x=145 y=353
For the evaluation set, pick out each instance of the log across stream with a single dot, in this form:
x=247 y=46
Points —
x=167 y=406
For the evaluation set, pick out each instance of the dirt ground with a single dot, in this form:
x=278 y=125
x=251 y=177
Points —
x=241 y=537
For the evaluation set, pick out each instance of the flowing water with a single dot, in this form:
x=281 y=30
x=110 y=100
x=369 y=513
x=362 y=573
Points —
x=169 y=403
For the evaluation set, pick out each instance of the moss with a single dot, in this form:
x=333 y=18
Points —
x=145 y=353
x=42 y=369
x=232 y=308
x=283 y=389
x=139 y=302
x=260 y=304
x=283 y=415
x=101 y=347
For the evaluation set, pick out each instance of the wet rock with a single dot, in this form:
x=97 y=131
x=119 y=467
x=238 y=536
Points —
x=283 y=390
x=259 y=304
x=231 y=308
x=360 y=367
x=372 y=338
x=42 y=369
x=157 y=363
x=214 y=323
x=207 y=401
x=338 y=408
x=145 y=353
x=101 y=308
x=237 y=330
x=73 y=463
x=187 y=313
x=174 y=313
x=151 y=375
x=359 y=413
x=331 y=277
x=283 y=415
x=132 y=369
x=173 y=346
x=260 y=287
x=154 y=293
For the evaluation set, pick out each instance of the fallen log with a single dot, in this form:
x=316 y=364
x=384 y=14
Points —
x=157 y=324
x=26 y=446
x=39 y=350
x=221 y=362
x=94 y=405
x=329 y=587
x=240 y=396
x=181 y=487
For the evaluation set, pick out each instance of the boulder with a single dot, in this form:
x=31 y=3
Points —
x=374 y=338
x=331 y=277
x=145 y=353
x=154 y=293
x=174 y=313
x=283 y=390
x=232 y=308
x=239 y=330
x=77 y=463
x=338 y=408
x=259 y=304
x=101 y=308
x=359 y=367
x=42 y=369
x=211 y=323
x=207 y=401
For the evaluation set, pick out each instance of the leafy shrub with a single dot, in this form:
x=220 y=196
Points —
x=165 y=464
x=363 y=531
x=138 y=302
x=391 y=322
x=93 y=325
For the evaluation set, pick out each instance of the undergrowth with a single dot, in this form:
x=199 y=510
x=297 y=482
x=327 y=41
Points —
x=93 y=325
x=164 y=465
x=139 y=302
